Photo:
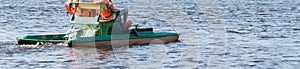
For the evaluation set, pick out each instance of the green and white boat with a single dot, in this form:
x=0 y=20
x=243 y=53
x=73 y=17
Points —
x=90 y=31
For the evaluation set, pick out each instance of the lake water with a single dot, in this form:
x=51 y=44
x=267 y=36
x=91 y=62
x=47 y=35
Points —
x=225 y=34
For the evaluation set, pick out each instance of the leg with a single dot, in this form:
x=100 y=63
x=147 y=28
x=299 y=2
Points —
x=126 y=24
x=125 y=12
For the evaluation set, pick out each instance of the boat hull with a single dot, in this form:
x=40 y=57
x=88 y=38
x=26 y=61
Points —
x=114 y=40
x=128 y=42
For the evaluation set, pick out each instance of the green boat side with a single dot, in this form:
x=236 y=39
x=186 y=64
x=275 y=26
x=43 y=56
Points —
x=125 y=36
x=60 y=38
x=48 y=38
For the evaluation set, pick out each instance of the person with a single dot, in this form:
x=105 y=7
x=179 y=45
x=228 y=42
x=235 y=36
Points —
x=106 y=12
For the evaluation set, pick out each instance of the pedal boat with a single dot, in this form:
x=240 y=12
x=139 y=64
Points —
x=111 y=32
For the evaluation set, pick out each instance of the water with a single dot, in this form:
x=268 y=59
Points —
x=259 y=35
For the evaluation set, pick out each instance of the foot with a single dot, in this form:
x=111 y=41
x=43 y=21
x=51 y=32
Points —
x=127 y=25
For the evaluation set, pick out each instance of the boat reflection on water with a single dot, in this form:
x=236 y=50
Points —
x=88 y=57
x=89 y=52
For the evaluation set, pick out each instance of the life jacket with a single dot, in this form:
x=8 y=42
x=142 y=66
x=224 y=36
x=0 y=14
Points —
x=79 y=12
x=66 y=5
x=106 y=12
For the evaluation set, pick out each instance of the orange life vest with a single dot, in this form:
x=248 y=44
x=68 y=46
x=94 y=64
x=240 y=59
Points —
x=70 y=11
x=106 y=12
